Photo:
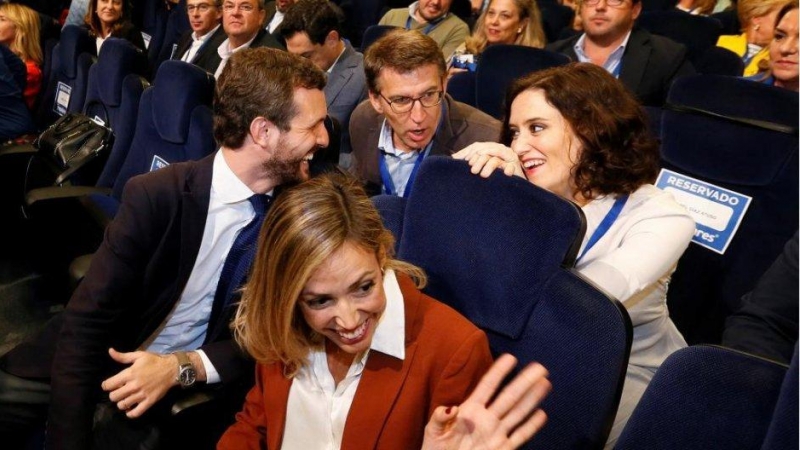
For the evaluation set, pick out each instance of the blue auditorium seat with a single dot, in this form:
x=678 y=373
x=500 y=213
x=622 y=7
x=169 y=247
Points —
x=177 y=24
x=372 y=33
x=705 y=397
x=719 y=61
x=461 y=86
x=739 y=135
x=115 y=88
x=500 y=251
x=72 y=57
x=783 y=431
x=500 y=64
x=392 y=209
x=697 y=33
x=174 y=124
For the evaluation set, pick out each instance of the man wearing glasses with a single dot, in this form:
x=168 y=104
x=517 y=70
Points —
x=645 y=63
x=196 y=46
x=409 y=116
x=243 y=23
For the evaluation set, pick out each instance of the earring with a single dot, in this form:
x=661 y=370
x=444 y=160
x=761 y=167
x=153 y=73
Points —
x=758 y=27
x=519 y=30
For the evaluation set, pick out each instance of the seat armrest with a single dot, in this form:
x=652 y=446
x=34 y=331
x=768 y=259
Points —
x=59 y=192
x=190 y=400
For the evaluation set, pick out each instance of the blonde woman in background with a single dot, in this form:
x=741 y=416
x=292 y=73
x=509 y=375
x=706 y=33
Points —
x=757 y=18
x=19 y=31
x=517 y=22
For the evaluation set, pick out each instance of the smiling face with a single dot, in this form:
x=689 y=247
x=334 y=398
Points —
x=412 y=130
x=544 y=142
x=109 y=11
x=502 y=22
x=295 y=147
x=203 y=15
x=344 y=299
x=433 y=9
x=783 y=51
x=606 y=24
x=241 y=20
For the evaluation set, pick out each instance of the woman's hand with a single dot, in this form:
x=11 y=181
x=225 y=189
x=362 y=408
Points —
x=506 y=424
x=485 y=157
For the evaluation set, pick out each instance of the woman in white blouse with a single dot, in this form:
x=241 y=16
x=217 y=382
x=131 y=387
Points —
x=577 y=132
x=350 y=353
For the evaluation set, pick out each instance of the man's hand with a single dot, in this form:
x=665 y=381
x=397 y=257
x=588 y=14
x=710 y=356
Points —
x=506 y=424
x=138 y=387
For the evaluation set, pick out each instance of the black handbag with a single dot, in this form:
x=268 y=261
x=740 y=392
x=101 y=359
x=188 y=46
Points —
x=72 y=142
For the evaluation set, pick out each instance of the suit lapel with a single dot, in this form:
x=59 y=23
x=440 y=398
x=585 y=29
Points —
x=340 y=75
x=452 y=125
x=634 y=60
x=183 y=46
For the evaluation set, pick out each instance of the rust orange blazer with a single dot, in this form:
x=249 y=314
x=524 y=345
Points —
x=446 y=355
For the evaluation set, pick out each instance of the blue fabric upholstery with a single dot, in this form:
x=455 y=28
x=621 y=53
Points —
x=392 y=209
x=697 y=33
x=174 y=124
x=708 y=286
x=499 y=250
x=72 y=57
x=461 y=87
x=115 y=89
x=719 y=61
x=705 y=397
x=500 y=64
x=177 y=24
x=782 y=432
x=372 y=33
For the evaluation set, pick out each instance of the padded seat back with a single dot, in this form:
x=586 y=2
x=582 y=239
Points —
x=697 y=33
x=174 y=124
x=501 y=64
x=65 y=90
x=499 y=251
x=115 y=88
x=705 y=397
x=724 y=131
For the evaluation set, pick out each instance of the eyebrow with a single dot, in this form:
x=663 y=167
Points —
x=350 y=288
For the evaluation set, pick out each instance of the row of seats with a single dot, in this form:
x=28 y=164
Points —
x=532 y=303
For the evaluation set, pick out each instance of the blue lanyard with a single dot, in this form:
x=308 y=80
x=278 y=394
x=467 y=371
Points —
x=386 y=177
x=617 y=70
x=429 y=28
x=606 y=223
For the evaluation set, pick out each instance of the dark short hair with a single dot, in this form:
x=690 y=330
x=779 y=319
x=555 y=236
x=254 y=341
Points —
x=402 y=51
x=316 y=18
x=618 y=153
x=259 y=82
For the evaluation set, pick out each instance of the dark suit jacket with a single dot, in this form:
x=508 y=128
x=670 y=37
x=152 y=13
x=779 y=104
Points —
x=445 y=356
x=346 y=88
x=649 y=65
x=263 y=39
x=135 y=279
x=204 y=54
x=461 y=125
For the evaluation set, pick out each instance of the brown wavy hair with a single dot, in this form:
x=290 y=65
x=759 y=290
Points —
x=618 y=154
x=403 y=51
x=306 y=225
x=259 y=82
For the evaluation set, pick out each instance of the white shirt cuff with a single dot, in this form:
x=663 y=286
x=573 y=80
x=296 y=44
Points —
x=212 y=376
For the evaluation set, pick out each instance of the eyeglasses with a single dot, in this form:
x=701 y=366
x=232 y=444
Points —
x=405 y=104
x=611 y=3
x=202 y=7
x=245 y=8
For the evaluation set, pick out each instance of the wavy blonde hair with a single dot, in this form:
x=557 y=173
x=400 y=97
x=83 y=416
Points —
x=26 y=36
x=531 y=36
x=305 y=225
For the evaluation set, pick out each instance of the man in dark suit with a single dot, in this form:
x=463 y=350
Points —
x=276 y=11
x=312 y=29
x=196 y=46
x=242 y=21
x=645 y=63
x=149 y=316
x=409 y=116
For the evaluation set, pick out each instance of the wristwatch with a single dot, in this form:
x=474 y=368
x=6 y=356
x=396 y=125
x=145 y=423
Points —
x=186 y=373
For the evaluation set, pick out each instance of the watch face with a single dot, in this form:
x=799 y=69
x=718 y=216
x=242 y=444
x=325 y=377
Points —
x=187 y=376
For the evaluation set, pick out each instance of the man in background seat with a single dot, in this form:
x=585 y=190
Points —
x=432 y=18
x=197 y=46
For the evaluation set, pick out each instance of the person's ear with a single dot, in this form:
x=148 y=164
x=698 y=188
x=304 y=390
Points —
x=261 y=131
x=332 y=38
x=636 y=9
x=375 y=101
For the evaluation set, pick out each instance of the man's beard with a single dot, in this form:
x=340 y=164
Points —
x=285 y=170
